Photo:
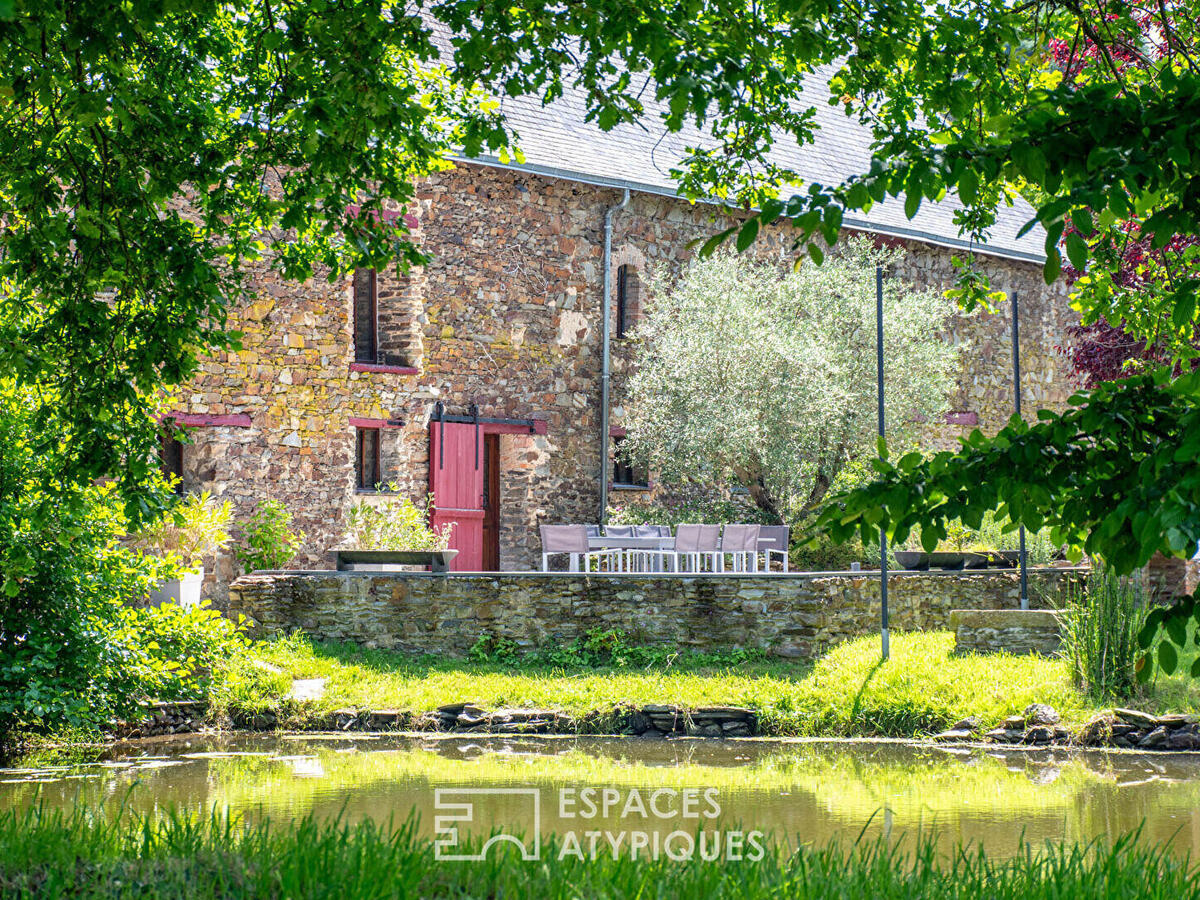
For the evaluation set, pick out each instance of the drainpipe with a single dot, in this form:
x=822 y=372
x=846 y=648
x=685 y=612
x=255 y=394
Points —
x=606 y=359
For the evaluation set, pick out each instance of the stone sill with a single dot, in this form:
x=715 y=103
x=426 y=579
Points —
x=629 y=487
x=385 y=369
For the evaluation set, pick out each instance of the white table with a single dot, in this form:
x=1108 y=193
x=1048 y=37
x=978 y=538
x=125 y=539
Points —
x=664 y=543
x=654 y=544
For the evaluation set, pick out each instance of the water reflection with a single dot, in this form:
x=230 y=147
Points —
x=807 y=792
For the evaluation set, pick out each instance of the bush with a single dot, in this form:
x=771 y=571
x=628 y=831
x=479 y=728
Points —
x=183 y=651
x=268 y=541
x=821 y=554
x=1100 y=631
x=394 y=525
x=68 y=657
x=599 y=648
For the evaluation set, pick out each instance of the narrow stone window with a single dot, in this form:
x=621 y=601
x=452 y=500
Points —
x=366 y=459
x=366 y=316
x=628 y=289
x=625 y=474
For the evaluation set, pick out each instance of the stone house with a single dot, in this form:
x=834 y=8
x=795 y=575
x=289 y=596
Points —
x=339 y=387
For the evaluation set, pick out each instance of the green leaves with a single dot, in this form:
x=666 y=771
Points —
x=116 y=131
x=968 y=186
x=1052 y=267
x=747 y=234
x=1121 y=440
x=1077 y=251
x=1168 y=658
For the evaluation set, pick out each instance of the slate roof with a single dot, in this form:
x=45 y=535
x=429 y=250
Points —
x=558 y=142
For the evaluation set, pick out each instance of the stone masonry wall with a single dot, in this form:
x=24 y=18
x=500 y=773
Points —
x=795 y=616
x=1010 y=630
x=505 y=316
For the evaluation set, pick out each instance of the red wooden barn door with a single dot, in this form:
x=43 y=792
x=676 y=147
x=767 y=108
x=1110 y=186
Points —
x=457 y=471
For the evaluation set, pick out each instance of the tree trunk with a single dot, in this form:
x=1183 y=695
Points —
x=751 y=478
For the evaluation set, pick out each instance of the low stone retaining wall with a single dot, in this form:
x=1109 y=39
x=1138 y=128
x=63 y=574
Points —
x=1037 y=726
x=165 y=717
x=797 y=616
x=1037 y=631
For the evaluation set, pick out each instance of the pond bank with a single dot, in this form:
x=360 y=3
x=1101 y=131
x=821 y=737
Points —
x=924 y=690
x=1038 y=725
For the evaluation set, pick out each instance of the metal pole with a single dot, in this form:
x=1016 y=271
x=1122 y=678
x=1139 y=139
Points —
x=606 y=353
x=883 y=544
x=1016 y=355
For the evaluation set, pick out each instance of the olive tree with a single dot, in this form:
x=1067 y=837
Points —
x=767 y=380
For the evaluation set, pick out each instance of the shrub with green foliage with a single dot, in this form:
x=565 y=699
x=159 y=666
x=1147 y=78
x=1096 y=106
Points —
x=69 y=656
x=686 y=506
x=599 y=648
x=268 y=541
x=394 y=525
x=818 y=553
x=184 y=651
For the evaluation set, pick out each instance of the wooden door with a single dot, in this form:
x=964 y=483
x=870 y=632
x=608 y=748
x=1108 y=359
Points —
x=491 y=503
x=456 y=470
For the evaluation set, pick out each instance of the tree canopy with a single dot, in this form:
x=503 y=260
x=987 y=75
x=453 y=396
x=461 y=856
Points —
x=153 y=151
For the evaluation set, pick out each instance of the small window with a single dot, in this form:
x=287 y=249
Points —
x=628 y=288
x=366 y=459
x=172 y=461
x=366 y=316
x=624 y=473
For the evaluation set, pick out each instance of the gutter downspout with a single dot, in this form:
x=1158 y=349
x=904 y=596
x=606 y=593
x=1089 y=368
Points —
x=606 y=358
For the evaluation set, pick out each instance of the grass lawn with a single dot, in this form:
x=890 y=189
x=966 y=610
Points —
x=49 y=856
x=922 y=689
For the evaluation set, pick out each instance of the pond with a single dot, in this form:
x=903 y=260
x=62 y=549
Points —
x=795 y=791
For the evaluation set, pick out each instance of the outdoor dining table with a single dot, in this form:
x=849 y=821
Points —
x=605 y=542
x=667 y=542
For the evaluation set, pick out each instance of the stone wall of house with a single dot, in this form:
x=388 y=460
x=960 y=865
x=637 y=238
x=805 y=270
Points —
x=796 y=616
x=504 y=316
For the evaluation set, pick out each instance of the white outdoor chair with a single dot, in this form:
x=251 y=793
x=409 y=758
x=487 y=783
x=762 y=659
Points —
x=773 y=540
x=697 y=545
x=740 y=544
x=625 y=559
x=573 y=541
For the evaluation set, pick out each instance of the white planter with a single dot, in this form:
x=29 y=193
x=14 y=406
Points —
x=185 y=591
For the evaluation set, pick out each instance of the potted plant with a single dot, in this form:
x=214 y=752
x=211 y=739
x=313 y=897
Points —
x=268 y=541
x=387 y=534
x=194 y=528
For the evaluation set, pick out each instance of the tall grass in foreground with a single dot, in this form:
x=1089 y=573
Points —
x=82 y=855
x=1101 y=622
